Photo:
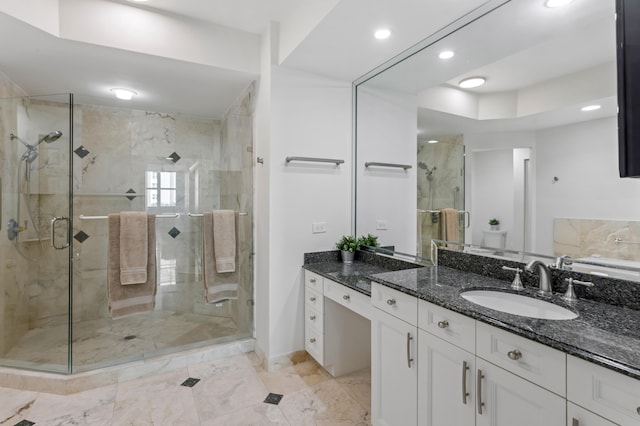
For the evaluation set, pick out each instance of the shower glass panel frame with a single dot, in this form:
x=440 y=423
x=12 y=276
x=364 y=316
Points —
x=35 y=243
x=114 y=158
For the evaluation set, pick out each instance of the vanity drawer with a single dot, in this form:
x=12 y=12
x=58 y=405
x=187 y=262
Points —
x=450 y=326
x=313 y=319
x=313 y=298
x=578 y=416
x=394 y=302
x=530 y=360
x=606 y=392
x=313 y=280
x=349 y=298
x=314 y=344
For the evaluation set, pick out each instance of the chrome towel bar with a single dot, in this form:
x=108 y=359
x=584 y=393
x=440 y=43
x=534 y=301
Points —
x=313 y=160
x=397 y=166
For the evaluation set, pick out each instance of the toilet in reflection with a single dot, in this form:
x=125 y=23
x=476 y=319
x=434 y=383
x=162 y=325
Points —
x=495 y=239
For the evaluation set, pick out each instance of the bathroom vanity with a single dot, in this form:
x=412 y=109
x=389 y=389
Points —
x=439 y=359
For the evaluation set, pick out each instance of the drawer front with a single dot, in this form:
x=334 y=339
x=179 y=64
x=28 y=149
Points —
x=533 y=361
x=349 y=298
x=314 y=344
x=605 y=392
x=313 y=298
x=313 y=281
x=450 y=326
x=396 y=303
x=578 y=416
x=313 y=319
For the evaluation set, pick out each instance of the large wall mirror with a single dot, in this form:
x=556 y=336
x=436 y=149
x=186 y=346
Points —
x=535 y=147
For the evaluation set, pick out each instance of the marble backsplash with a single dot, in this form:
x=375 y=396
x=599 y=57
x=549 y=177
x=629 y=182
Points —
x=596 y=238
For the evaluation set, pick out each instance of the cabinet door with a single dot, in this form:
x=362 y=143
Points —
x=394 y=372
x=504 y=399
x=578 y=416
x=446 y=383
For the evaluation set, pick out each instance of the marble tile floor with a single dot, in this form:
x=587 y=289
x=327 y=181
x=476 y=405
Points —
x=97 y=343
x=228 y=391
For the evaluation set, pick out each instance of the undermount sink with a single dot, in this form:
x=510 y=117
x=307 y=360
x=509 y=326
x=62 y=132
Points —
x=518 y=304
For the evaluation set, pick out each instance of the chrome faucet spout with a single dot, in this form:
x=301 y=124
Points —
x=545 y=276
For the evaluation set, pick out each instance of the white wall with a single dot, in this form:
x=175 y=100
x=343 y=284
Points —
x=584 y=157
x=387 y=132
x=310 y=116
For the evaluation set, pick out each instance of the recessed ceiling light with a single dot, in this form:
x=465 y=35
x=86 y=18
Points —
x=471 y=82
x=557 y=3
x=382 y=34
x=124 y=94
x=447 y=54
x=591 y=108
x=432 y=141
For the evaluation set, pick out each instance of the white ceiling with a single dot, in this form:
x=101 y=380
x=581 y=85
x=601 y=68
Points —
x=79 y=54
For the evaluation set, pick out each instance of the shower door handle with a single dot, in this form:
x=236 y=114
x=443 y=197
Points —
x=53 y=232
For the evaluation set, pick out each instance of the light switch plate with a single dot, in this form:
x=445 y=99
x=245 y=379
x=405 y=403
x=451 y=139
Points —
x=381 y=225
x=318 y=227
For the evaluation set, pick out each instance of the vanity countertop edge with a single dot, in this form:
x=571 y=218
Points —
x=606 y=335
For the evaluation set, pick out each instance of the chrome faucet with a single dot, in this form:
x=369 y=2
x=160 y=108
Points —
x=545 y=276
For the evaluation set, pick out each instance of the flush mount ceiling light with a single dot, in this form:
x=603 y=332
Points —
x=432 y=141
x=446 y=54
x=557 y=3
x=471 y=82
x=124 y=94
x=382 y=34
x=591 y=108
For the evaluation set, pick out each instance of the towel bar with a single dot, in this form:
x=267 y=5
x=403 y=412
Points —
x=397 y=166
x=200 y=214
x=287 y=160
x=83 y=217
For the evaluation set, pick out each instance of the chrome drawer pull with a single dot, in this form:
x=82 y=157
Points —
x=514 y=354
x=312 y=340
x=312 y=317
x=346 y=297
x=443 y=324
x=465 y=394
x=409 y=359
x=575 y=422
x=479 y=390
x=391 y=302
x=312 y=298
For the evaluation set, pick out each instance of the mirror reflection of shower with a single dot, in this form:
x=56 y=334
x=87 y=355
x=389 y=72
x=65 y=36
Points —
x=429 y=174
x=28 y=157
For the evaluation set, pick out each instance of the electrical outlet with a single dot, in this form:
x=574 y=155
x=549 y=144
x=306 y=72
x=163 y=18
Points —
x=318 y=227
x=381 y=225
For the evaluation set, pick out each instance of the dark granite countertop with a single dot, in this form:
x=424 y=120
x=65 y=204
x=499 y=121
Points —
x=603 y=334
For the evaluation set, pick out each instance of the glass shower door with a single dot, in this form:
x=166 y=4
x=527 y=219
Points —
x=35 y=239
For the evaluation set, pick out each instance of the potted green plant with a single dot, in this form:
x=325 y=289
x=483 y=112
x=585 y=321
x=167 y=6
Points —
x=368 y=240
x=494 y=224
x=347 y=246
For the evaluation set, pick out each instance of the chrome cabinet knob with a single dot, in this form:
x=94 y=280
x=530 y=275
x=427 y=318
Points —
x=312 y=340
x=312 y=317
x=346 y=297
x=312 y=298
x=391 y=302
x=443 y=324
x=312 y=280
x=514 y=354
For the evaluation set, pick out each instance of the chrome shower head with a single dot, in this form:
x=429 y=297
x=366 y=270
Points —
x=51 y=137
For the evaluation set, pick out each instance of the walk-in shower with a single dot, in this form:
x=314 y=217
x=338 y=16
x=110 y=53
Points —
x=68 y=163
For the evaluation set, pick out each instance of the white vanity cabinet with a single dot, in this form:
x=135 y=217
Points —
x=337 y=327
x=394 y=372
x=578 y=416
x=446 y=372
x=612 y=395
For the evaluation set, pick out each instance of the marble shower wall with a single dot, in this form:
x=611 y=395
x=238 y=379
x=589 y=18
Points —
x=587 y=237
x=445 y=189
